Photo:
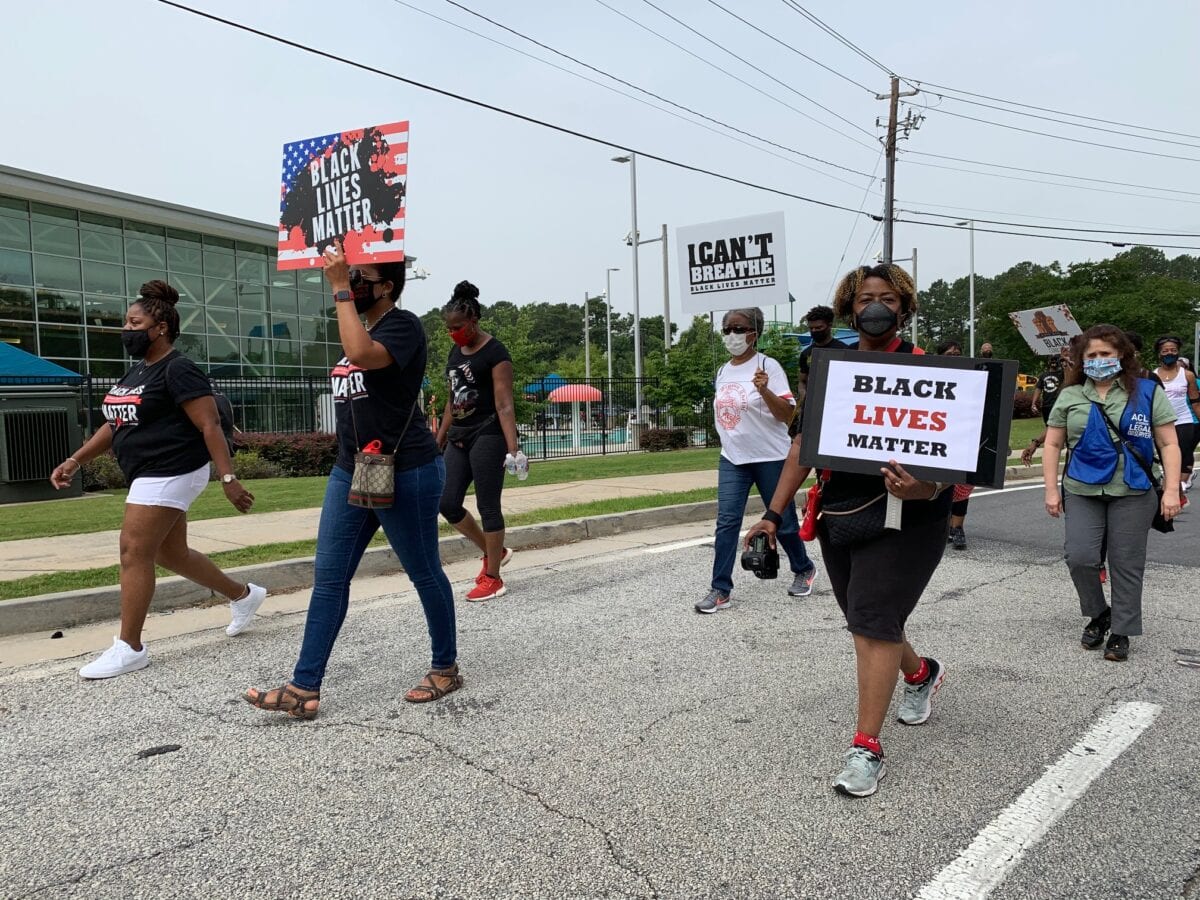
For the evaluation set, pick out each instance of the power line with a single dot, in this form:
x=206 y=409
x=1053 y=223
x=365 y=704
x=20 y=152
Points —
x=801 y=53
x=762 y=72
x=1048 y=237
x=796 y=7
x=1127 y=229
x=1079 y=187
x=1063 y=121
x=1123 y=233
x=724 y=71
x=976 y=162
x=620 y=80
x=561 y=129
x=854 y=226
x=1060 y=137
x=1057 y=111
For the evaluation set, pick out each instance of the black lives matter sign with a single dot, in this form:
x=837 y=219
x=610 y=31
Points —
x=733 y=263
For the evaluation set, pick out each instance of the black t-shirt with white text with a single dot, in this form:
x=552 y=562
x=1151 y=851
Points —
x=152 y=435
x=472 y=390
x=384 y=398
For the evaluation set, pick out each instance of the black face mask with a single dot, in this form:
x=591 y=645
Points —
x=876 y=319
x=137 y=342
x=821 y=336
x=364 y=296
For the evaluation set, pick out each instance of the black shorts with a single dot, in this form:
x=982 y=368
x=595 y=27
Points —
x=878 y=584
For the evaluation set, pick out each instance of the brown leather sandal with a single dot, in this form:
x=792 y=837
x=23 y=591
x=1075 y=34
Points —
x=426 y=693
x=287 y=699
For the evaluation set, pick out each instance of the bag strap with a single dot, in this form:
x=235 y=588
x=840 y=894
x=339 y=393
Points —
x=1128 y=446
x=354 y=421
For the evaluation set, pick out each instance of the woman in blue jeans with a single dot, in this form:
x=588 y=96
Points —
x=376 y=387
x=753 y=407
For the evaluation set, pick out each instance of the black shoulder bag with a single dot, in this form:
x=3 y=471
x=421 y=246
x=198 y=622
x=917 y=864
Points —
x=1161 y=522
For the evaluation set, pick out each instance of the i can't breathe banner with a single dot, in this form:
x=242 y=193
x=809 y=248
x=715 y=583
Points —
x=349 y=186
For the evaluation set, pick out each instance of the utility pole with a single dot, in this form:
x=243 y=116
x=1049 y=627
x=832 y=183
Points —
x=666 y=296
x=910 y=123
x=916 y=314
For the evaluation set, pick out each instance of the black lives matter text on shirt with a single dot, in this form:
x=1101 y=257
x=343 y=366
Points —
x=152 y=435
x=472 y=388
x=384 y=398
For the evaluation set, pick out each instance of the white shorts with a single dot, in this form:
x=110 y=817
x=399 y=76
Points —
x=175 y=491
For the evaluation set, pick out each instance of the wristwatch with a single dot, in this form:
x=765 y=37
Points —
x=343 y=296
x=228 y=479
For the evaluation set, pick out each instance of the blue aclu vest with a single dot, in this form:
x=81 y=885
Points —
x=1094 y=456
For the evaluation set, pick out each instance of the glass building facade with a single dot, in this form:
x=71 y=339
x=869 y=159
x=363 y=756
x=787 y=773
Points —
x=73 y=256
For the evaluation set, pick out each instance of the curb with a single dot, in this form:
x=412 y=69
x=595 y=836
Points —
x=48 y=612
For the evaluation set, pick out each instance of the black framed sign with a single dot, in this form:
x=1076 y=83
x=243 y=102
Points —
x=944 y=418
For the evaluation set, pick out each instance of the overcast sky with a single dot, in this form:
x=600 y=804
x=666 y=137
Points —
x=140 y=97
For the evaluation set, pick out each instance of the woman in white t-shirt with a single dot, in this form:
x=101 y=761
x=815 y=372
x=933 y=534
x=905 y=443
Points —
x=753 y=407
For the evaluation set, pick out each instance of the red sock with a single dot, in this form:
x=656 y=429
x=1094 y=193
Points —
x=920 y=675
x=869 y=741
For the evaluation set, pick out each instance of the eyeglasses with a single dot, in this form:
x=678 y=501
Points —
x=737 y=329
x=357 y=277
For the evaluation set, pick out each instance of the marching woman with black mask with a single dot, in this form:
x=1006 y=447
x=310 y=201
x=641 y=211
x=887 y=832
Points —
x=164 y=428
x=376 y=392
x=877 y=574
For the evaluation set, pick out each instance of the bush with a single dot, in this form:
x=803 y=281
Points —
x=296 y=455
x=1023 y=405
x=655 y=439
x=103 y=474
x=248 y=464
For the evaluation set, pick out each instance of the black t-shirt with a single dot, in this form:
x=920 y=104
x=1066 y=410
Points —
x=472 y=391
x=852 y=485
x=384 y=398
x=152 y=435
x=806 y=353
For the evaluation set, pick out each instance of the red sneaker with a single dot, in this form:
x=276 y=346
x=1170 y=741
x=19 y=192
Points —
x=1103 y=574
x=508 y=554
x=487 y=588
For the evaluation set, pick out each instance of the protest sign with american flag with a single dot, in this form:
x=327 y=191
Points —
x=349 y=186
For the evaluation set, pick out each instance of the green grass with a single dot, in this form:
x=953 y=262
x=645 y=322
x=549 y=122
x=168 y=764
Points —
x=263 y=553
x=103 y=512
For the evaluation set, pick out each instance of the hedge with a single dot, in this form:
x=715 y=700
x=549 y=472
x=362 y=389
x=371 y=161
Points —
x=297 y=455
x=655 y=439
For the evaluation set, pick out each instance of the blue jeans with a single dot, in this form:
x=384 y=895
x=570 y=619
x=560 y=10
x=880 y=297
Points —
x=411 y=526
x=733 y=489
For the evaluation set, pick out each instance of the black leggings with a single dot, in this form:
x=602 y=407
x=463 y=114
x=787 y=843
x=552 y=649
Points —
x=1187 y=435
x=483 y=463
x=959 y=507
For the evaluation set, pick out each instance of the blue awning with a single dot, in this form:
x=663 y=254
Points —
x=15 y=363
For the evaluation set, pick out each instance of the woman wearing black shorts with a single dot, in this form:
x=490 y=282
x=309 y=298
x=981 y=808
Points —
x=478 y=435
x=877 y=583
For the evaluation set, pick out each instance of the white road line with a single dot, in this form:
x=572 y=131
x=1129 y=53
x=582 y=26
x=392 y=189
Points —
x=998 y=848
x=1009 y=490
x=678 y=545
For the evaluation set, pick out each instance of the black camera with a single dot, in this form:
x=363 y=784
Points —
x=761 y=559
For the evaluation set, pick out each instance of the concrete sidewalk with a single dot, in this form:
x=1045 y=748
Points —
x=37 y=556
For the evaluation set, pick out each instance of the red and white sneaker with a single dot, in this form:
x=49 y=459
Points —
x=508 y=554
x=1103 y=574
x=487 y=588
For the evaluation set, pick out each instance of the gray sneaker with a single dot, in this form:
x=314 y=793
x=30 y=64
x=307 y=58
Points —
x=862 y=774
x=802 y=584
x=714 y=601
x=918 y=698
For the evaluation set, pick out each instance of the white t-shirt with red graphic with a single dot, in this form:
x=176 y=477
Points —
x=749 y=432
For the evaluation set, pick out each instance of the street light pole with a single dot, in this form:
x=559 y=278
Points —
x=633 y=241
x=971 y=289
x=608 y=317
x=587 y=341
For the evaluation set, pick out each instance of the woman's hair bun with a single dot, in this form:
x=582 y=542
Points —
x=161 y=291
x=464 y=290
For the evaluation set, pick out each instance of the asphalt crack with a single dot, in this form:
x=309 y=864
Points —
x=93 y=871
x=614 y=850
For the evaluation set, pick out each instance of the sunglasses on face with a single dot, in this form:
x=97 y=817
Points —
x=737 y=329
x=357 y=277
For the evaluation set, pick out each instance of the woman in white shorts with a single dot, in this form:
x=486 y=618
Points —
x=164 y=428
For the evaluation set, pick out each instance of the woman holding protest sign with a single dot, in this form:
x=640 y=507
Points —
x=877 y=575
x=1113 y=422
x=752 y=409
x=388 y=475
x=478 y=435
x=164 y=428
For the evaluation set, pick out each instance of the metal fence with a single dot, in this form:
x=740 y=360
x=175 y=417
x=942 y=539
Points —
x=278 y=403
x=595 y=417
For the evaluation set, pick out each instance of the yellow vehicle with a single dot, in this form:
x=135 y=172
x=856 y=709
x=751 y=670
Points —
x=1026 y=382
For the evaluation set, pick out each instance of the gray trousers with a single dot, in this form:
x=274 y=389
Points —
x=1124 y=523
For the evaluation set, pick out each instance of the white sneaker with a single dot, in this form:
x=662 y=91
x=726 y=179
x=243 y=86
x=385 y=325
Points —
x=116 y=660
x=242 y=611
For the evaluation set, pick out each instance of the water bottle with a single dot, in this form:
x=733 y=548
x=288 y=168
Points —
x=510 y=464
x=522 y=463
